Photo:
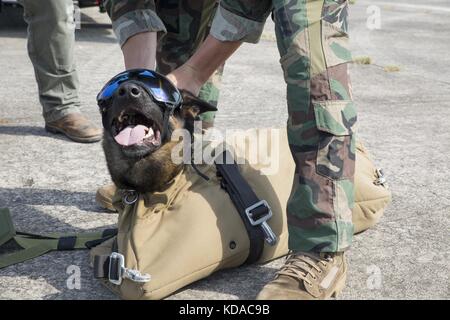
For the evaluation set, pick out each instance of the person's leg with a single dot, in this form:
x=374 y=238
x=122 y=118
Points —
x=312 y=40
x=51 y=41
x=188 y=24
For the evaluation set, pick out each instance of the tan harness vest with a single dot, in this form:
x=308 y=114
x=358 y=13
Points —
x=192 y=229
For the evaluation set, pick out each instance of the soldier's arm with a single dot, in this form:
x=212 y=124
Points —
x=136 y=24
x=197 y=70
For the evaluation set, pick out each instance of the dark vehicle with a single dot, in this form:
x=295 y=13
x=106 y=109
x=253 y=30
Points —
x=79 y=3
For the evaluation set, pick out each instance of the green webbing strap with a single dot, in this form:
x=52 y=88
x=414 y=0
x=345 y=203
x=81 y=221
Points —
x=7 y=231
x=35 y=245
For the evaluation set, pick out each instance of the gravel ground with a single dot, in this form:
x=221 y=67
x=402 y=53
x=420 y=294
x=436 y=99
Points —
x=49 y=183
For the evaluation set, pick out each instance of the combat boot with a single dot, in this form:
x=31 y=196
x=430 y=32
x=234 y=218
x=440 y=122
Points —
x=76 y=127
x=104 y=196
x=308 y=276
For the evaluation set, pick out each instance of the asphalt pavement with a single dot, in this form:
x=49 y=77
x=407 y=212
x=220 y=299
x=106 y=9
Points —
x=49 y=183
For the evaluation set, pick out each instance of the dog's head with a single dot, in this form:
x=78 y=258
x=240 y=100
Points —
x=137 y=139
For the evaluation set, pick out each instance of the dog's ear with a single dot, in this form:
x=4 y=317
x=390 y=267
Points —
x=193 y=106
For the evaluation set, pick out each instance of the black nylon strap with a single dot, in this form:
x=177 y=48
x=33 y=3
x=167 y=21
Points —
x=101 y=262
x=242 y=196
x=115 y=246
x=106 y=268
x=109 y=233
x=101 y=266
x=67 y=243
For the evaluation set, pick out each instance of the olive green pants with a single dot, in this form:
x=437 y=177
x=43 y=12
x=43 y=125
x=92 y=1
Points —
x=51 y=41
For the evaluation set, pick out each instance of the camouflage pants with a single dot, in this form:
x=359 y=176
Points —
x=313 y=43
x=312 y=40
x=186 y=24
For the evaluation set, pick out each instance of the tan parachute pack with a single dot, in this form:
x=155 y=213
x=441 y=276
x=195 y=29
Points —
x=192 y=229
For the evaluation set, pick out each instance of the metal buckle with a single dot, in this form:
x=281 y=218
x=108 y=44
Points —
x=130 y=197
x=269 y=235
x=120 y=268
x=381 y=178
x=263 y=218
x=133 y=275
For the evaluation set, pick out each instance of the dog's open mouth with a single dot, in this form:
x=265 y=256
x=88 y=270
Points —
x=132 y=129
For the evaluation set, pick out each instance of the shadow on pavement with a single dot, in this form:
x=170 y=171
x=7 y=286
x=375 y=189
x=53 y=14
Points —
x=25 y=131
x=30 y=131
x=28 y=196
x=244 y=282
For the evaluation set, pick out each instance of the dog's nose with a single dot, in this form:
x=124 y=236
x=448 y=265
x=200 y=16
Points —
x=129 y=90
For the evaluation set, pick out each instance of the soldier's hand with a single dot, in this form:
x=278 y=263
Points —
x=196 y=71
x=186 y=77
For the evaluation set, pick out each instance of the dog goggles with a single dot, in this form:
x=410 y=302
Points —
x=157 y=85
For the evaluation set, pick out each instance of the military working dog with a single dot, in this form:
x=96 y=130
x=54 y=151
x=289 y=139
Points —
x=179 y=227
x=137 y=146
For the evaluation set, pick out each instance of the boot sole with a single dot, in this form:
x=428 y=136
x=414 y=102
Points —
x=104 y=202
x=74 y=138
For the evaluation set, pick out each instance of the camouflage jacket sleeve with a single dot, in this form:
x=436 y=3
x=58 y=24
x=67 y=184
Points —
x=240 y=20
x=130 y=17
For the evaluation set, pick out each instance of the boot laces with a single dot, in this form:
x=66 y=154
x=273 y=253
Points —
x=298 y=266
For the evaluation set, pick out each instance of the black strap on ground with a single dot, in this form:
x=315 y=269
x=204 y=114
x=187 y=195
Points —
x=66 y=243
x=101 y=266
x=102 y=262
x=243 y=197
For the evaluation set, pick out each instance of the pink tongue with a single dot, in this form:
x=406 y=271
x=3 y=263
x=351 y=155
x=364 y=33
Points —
x=131 y=135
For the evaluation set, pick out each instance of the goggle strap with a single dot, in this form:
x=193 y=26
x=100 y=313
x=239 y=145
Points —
x=167 y=113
